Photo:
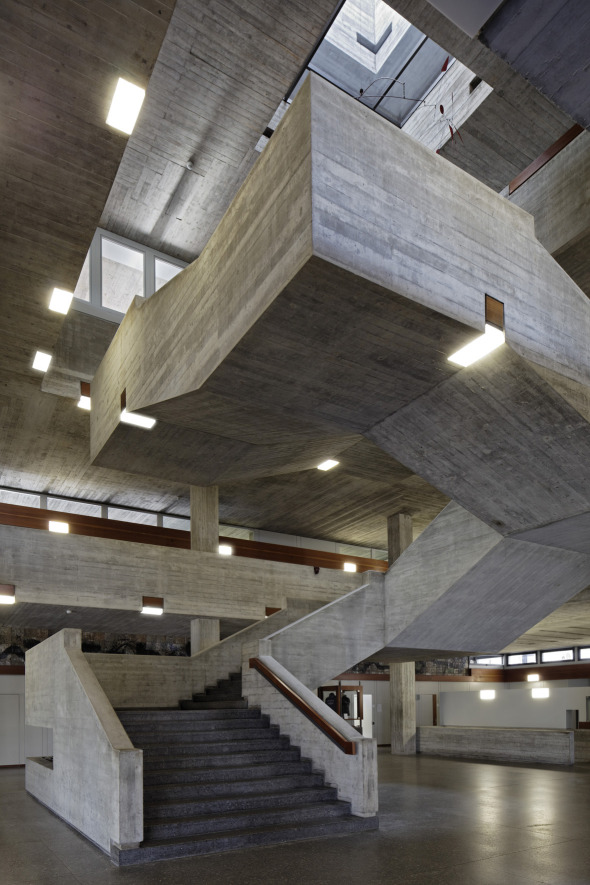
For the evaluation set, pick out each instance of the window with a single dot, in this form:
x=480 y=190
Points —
x=585 y=654
x=529 y=657
x=562 y=654
x=493 y=661
x=116 y=270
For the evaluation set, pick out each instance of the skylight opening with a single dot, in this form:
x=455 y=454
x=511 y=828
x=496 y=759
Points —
x=479 y=347
x=137 y=420
x=60 y=301
x=42 y=361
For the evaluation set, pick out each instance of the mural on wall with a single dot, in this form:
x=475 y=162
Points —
x=458 y=666
x=15 y=641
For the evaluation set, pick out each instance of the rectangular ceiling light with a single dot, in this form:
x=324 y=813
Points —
x=125 y=106
x=84 y=403
x=137 y=420
x=61 y=528
x=475 y=350
x=540 y=692
x=60 y=301
x=350 y=566
x=327 y=465
x=41 y=361
x=152 y=605
x=532 y=677
x=487 y=694
x=226 y=550
x=7 y=594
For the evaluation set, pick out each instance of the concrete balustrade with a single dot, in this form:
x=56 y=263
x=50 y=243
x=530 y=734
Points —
x=96 y=781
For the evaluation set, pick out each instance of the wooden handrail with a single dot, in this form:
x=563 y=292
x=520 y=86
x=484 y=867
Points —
x=348 y=747
x=547 y=155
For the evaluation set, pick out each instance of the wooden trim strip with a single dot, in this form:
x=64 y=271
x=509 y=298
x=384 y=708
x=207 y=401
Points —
x=544 y=158
x=348 y=747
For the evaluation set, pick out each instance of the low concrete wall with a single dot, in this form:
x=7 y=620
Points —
x=582 y=746
x=549 y=746
x=355 y=777
x=96 y=782
x=142 y=681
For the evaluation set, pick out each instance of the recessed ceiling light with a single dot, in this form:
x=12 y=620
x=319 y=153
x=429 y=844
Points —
x=487 y=694
x=137 y=420
x=60 y=527
x=327 y=465
x=226 y=550
x=152 y=605
x=41 y=361
x=151 y=610
x=533 y=677
x=350 y=566
x=60 y=301
x=125 y=106
x=84 y=403
x=490 y=340
x=540 y=692
x=7 y=594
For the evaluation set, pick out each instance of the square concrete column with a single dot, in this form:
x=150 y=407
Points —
x=402 y=684
x=205 y=519
x=399 y=534
x=204 y=633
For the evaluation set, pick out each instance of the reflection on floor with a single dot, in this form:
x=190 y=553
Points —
x=442 y=821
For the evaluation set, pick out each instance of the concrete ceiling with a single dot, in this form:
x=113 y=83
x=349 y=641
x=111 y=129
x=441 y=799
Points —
x=216 y=76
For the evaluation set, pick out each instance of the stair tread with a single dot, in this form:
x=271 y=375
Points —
x=334 y=804
x=270 y=796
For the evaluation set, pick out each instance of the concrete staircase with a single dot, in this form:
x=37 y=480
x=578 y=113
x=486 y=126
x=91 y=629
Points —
x=218 y=776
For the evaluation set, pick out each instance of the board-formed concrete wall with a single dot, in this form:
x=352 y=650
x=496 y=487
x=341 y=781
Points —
x=96 y=781
x=142 y=680
x=546 y=746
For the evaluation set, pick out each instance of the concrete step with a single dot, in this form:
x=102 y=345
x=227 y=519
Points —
x=186 y=716
x=196 y=738
x=214 y=705
x=157 y=811
x=158 y=794
x=228 y=773
x=250 y=837
x=249 y=819
x=165 y=752
x=223 y=760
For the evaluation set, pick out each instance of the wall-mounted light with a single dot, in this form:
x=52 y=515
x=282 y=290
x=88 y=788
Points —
x=60 y=300
x=84 y=402
x=225 y=549
x=327 y=465
x=479 y=347
x=7 y=594
x=349 y=566
x=540 y=692
x=41 y=361
x=62 y=528
x=532 y=677
x=125 y=106
x=152 y=605
x=487 y=694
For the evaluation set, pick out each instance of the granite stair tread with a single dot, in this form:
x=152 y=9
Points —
x=237 y=801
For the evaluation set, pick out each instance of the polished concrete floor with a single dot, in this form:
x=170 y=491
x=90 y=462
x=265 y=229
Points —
x=447 y=822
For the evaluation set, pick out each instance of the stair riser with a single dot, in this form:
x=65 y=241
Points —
x=239 y=821
x=225 y=760
x=181 y=756
x=210 y=736
x=198 y=739
x=228 y=745
x=244 y=840
x=173 y=792
x=214 y=705
x=154 y=813
x=185 y=716
x=226 y=774
x=205 y=728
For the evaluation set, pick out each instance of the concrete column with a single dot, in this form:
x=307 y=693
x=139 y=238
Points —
x=205 y=519
x=204 y=633
x=399 y=534
x=402 y=685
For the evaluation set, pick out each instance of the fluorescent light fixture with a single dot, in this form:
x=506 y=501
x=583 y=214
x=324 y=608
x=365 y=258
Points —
x=490 y=340
x=7 y=595
x=41 y=361
x=152 y=605
x=61 y=528
x=60 y=301
x=487 y=694
x=327 y=465
x=125 y=106
x=226 y=550
x=84 y=403
x=540 y=692
x=137 y=420
x=350 y=566
x=532 y=677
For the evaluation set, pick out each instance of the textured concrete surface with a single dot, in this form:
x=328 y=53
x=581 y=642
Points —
x=138 y=680
x=95 y=783
x=530 y=745
x=442 y=822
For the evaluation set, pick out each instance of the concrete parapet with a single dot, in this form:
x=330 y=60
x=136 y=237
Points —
x=541 y=745
x=354 y=776
x=96 y=780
